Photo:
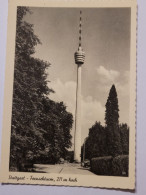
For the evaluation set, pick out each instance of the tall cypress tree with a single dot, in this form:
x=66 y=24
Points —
x=112 y=123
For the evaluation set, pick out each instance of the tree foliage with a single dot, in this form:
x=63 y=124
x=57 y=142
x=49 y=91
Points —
x=95 y=145
x=124 y=137
x=112 y=123
x=40 y=126
x=111 y=140
x=57 y=122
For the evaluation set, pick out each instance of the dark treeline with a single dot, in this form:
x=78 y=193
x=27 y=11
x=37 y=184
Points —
x=40 y=131
x=111 y=139
x=96 y=143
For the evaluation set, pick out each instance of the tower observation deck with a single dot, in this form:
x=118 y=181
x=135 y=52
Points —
x=79 y=60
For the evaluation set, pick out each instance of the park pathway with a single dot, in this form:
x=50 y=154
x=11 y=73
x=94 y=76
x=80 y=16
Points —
x=67 y=168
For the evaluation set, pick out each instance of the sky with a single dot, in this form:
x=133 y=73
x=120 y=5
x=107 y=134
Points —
x=106 y=42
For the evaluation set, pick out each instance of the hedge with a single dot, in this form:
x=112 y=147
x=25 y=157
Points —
x=120 y=165
x=111 y=166
x=101 y=165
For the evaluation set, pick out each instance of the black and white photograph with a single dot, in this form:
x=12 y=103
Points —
x=73 y=95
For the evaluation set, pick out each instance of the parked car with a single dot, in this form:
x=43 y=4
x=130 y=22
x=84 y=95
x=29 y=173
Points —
x=86 y=163
x=61 y=161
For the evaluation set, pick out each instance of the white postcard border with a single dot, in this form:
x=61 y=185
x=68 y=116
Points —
x=82 y=180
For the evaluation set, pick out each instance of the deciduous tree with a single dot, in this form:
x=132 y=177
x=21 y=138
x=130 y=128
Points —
x=39 y=125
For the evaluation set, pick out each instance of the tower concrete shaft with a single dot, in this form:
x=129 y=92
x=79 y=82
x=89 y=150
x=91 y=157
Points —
x=77 y=137
x=79 y=60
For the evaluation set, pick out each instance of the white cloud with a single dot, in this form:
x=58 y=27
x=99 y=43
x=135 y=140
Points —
x=106 y=75
x=107 y=78
x=92 y=110
x=65 y=92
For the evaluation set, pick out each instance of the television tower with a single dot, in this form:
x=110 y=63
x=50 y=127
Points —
x=79 y=60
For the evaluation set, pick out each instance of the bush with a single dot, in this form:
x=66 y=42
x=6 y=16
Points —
x=110 y=166
x=120 y=165
x=102 y=165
